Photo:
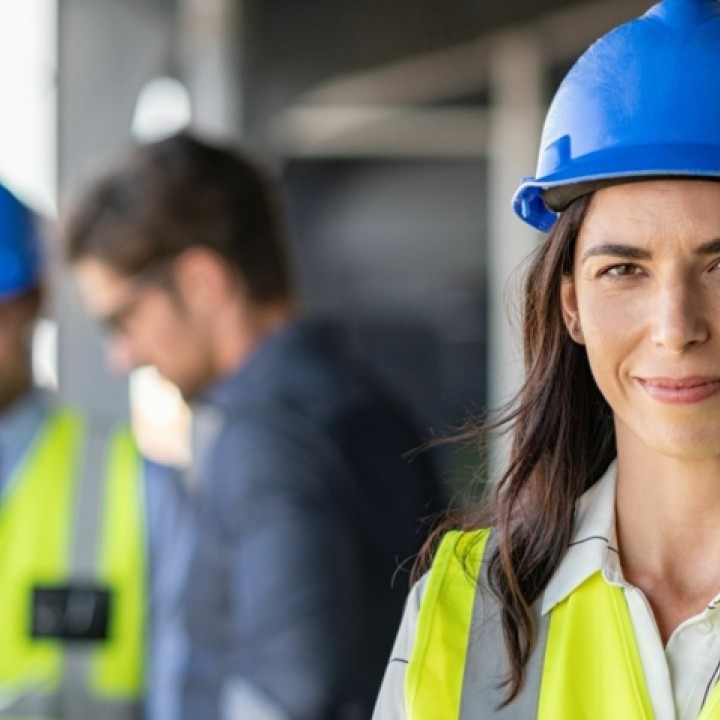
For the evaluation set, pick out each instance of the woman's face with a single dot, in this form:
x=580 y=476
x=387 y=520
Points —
x=644 y=299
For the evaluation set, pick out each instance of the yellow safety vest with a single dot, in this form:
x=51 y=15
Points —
x=73 y=513
x=586 y=666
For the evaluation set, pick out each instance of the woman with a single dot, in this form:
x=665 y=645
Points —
x=594 y=592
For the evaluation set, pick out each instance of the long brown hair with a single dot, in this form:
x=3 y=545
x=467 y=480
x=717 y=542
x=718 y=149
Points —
x=562 y=441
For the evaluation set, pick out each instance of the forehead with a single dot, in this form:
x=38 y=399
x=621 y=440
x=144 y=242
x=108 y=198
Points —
x=101 y=286
x=654 y=212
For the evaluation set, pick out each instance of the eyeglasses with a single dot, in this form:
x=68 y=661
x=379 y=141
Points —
x=150 y=278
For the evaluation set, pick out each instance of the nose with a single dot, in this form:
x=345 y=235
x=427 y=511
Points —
x=680 y=316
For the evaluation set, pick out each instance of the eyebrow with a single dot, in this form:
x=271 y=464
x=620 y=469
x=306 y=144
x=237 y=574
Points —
x=632 y=252
x=629 y=252
x=708 y=248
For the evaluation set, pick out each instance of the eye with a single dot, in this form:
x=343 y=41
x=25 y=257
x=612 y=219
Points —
x=622 y=270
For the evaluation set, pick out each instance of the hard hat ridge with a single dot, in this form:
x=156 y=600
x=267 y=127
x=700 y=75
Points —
x=20 y=247
x=641 y=102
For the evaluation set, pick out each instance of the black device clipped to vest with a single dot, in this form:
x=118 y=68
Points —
x=73 y=613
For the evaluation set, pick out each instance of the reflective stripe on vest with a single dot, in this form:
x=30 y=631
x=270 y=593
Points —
x=73 y=513
x=585 y=665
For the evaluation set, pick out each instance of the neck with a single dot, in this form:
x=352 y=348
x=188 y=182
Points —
x=668 y=514
x=242 y=332
x=663 y=498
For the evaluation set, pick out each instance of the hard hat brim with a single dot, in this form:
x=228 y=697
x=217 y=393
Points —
x=609 y=167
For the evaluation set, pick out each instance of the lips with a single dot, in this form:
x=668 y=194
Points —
x=680 y=391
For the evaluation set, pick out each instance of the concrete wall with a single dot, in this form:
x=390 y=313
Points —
x=107 y=51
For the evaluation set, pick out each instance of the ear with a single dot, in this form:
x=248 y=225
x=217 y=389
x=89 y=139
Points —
x=570 y=311
x=203 y=279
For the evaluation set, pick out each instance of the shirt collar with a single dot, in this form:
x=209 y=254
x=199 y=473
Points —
x=18 y=425
x=253 y=370
x=268 y=366
x=593 y=547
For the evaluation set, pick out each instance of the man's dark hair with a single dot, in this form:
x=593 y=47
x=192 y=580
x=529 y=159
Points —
x=179 y=193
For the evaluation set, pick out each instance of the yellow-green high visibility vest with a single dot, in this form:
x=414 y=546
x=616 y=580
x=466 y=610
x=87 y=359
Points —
x=73 y=516
x=585 y=666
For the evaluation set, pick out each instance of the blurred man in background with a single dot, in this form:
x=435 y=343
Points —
x=88 y=606
x=305 y=504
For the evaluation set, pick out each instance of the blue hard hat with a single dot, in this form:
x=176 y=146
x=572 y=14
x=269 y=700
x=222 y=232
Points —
x=20 y=247
x=642 y=102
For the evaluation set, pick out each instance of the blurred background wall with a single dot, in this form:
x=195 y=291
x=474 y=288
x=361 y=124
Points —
x=399 y=129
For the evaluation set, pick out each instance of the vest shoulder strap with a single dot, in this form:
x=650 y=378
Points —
x=436 y=668
x=459 y=660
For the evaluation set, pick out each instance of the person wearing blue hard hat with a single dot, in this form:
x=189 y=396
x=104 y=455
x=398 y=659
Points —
x=88 y=621
x=20 y=294
x=20 y=247
x=587 y=585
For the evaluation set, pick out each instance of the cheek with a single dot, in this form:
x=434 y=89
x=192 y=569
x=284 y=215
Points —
x=169 y=338
x=156 y=325
x=607 y=316
x=611 y=332
x=161 y=340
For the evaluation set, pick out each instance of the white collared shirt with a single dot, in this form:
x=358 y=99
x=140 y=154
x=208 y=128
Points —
x=679 y=676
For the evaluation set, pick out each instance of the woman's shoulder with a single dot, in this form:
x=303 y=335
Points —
x=454 y=573
x=464 y=547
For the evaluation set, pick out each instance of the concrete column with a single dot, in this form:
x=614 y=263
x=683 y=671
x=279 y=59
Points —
x=516 y=112
x=209 y=53
x=107 y=51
